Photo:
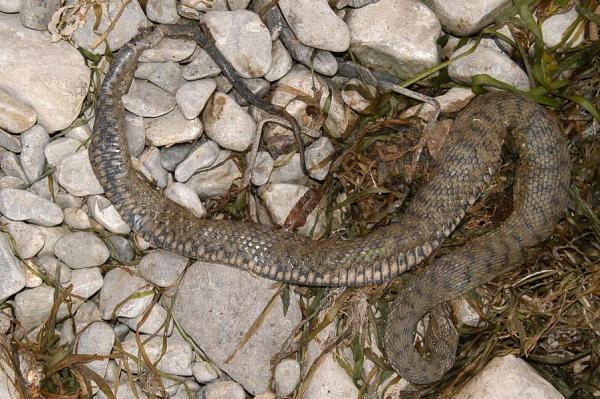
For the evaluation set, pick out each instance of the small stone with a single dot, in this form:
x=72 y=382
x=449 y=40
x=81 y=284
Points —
x=106 y=214
x=262 y=168
x=215 y=182
x=508 y=377
x=52 y=235
x=152 y=163
x=200 y=158
x=204 y=372
x=11 y=165
x=172 y=128
x=177 y=359
x=228 y=124
x=162 y=268
x=58 y=149
x=287 y=170
x=381 y=38
x=451 y=102
x=555 y=27
x=125 y=391
x=257 y=86
x=136 y=135
x=319 y=157
x=15 y=116
x=223 y=84
x=32 y=306
x=169 y=49
x=10 y=6
x=224 y=389
x=53 y=268
x=121 y=250
x=28 y=239
x=487 y=59
x=33 y=279
x=155 y=322
x=81 y=133
x=13 y=276
x=97 y=338
x=465 y=17
x=202 y=66
x=281 y=62
x=77 y=218
x=66 y=200
x=354 y=99
x=167 y=75
x=42 y=187
x=315 y=24
x=75 y=174
x=192 y=97
x=464 y=312
x=22 y=205
x=33 y=142
x=127 y=22
x=11 y=182
x=52 y=78
x=243 y=39
x=9 y=142
x=118 y=286
x=148 y=100
x=186 y=197
x=81 y=249
x=86 y=282
x=287 y=376
x=172 y=156
x=162 y=11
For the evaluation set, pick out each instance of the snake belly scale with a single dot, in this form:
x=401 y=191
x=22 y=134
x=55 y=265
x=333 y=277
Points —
x=470 y=157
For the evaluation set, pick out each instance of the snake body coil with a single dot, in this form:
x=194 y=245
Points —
x=470 y=158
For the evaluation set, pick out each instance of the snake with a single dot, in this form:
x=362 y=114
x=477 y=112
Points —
x=470 y=157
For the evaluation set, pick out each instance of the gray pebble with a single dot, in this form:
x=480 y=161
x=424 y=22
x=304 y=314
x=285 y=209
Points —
x=161 y=267
x=86 y=282
x=15 y=116
x=9 y=142
x=118 y=285
x=148 y=100
x=122 y=250
x=21 y=205
x=105 y=213
x=319 y=158
x=204 y=372
x=53 y=267
x=200 y=158
x=167 y=75
x=28 y=239
x=59 y=148
x=287 y=376
x=81 y=249
x=172 y=156
x=75 y=174
x=136 y=136
x=228 y=124
x=224 y=389
x=162 y=11
x=13 y=275
x=155 y=321
x=169 y=49
x=172 y=128
x=97 y=338
x=185 y=196
x=33 y=142
x=191 y=97
x=202 y=66
x=151 y=159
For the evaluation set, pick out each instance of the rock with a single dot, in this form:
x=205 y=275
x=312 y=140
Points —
x=281 y=62
x=152 y=162
x=192 y=97
x=9 y=142
x=162 y=12
x=119 y=285
x=488 y=59
x=21 y=205
x=450 y=102
x=74 y=173
x=380 y=37
x=508 y=377
x=185 y=196
x=125 y=391
x=217 y=315
x=204 y=372
x=167 y=75
x=81 y=133
x=13 y=276
x=10 y=165
x=97 y=338
x=228 y=124
x=287 y=376
x=77 y=219
x=136 y=135
x=223 y=389
x=155 y=322
x=215 y=182
x=125 y=27
x=263 y=167
x=66 y=200
x=36 y=14
x=121 y=249
x=81 y=249
x=257 y=86
x=11 y=182
x=280 y=199
x=52 y=235
x=301 y=82
x=148 y=100
x=556 y=25
x=172 y=156
x=464 y=313
x=7 y=381
x=28 y=239
x=200 y=158
x=177 y=358
x=169 y=49
x=162 y=268
x=10 y=6
x=172 y=128
x=32 y=306
x=287 y=170
x=315 y=24
x=319 y=157
x=51 y=78
x=86 y=282
x=58 y=149
x=202 y=66
x=354 y=99
x=464 y=17
x=243 y=39
x=50 y=265
x=33 y=142
x=15 y=116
